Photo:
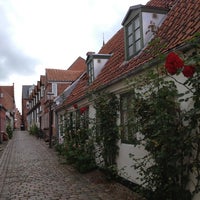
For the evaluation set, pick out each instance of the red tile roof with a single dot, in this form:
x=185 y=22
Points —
x=62 y=87
x=60 y=75
x=79 y=91
x=181 y=23
x=161 y=3
x=78 y=65
x=66 y=77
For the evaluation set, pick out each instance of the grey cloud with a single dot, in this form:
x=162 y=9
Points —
x=12 y=59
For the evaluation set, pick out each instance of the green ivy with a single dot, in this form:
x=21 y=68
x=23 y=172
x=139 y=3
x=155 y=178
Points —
x=34 y=130
x=107 y=107
x=78 y=143
x=9 y=131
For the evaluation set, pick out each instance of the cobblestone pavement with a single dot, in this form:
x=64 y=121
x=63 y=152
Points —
x=30 y=170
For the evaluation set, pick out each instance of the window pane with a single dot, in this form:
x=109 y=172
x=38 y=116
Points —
x=130 y=40
x=137 y=34
x=130 y=29
x=137 y=45
x=137 y=23
x=130 y=51
x=127 y=119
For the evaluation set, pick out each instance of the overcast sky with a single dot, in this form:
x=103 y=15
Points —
x=39 y=34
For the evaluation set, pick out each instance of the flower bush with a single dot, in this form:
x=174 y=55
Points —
x=174 y=64
x=78 y=142
x=170 y=133
x=188 y=71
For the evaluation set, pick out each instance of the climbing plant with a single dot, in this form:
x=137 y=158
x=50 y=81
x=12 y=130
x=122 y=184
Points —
x=168 y=133
x=78 y=141
x=107 y=107
x=9 y=131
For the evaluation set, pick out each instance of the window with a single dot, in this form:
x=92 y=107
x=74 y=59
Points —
x=91 y=72
x=133 y=37
x=128 y=128
x=82 y=119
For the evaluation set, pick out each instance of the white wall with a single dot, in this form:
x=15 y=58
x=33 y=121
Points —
x=99 y=63
x=125 y=162
x=150 y=19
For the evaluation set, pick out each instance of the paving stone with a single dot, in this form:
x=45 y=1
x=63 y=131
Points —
x=30 y=170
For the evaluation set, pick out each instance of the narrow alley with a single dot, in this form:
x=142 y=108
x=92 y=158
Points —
x=30 y=170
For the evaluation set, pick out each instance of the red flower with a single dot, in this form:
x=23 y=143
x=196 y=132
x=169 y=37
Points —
x=83 y=109
x=188 y=71
x=171 y=69
x=75 y=106
x=173 y=63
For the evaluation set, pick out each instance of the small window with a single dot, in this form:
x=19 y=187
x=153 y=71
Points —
x=133 y=37
x=128 y=128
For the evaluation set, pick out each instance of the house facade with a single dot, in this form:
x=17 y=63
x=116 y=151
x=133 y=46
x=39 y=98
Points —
x=126 y=56
x=18 y=120
x=48 y=88
x=7 y=108
x=26 y=91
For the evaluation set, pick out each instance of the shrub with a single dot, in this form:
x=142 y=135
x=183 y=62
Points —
x=34 y=130
x=9 y=131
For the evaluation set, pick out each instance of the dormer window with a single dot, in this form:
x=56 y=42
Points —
x=95 y=63
x=140 y=25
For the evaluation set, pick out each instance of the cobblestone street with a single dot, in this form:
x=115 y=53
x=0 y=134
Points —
x=30 y=170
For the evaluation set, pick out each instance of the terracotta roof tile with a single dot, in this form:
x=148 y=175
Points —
x=78 y=65
x=161 y=3
x=79 y=91
x=62 y=87
x=62 y=75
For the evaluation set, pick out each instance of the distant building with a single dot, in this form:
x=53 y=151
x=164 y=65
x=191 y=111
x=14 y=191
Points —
x=18 y=119
x=26 y=91
x=7 y=108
